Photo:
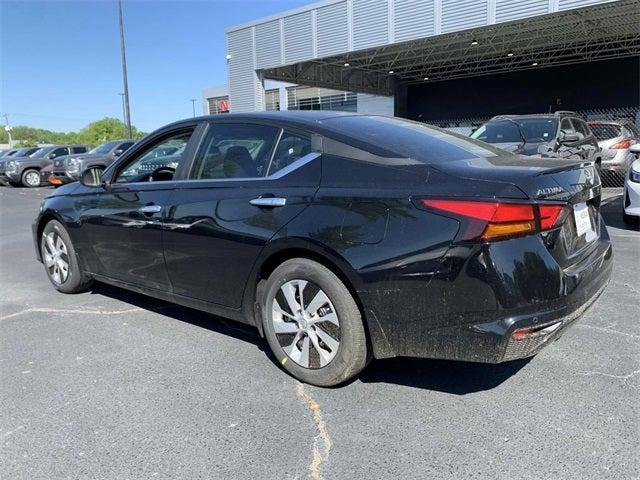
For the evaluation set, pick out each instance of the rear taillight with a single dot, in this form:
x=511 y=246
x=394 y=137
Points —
x=622 y=144
x=499 y=220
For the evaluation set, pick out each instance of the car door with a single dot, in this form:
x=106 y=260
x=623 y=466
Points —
x=125 y=227
x=247 y=181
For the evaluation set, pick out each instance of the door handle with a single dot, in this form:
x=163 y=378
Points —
x=268 y=202
x=150 y=209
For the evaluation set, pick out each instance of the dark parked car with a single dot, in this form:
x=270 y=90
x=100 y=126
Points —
x=25 y=171
x=341 y=237
x=69 y=167
x=13 y=155
x=560 y=134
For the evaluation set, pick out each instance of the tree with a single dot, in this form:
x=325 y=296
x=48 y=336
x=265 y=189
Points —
x=25 y=143
x=93 y=134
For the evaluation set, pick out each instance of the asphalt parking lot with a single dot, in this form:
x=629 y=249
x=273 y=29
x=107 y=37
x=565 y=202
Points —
x=110 y=384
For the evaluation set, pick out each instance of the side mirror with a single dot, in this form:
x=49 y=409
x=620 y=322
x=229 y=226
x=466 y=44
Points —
x=118 y=152
x=569 y=137
x=92 y=177
x=51 y=156
x=635 y=149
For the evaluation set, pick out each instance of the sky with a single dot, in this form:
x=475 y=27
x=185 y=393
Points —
x=60 y=60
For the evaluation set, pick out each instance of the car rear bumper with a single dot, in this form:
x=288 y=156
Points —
x=471 y=308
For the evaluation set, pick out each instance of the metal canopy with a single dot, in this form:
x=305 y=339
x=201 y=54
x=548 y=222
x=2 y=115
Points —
x=603 y=31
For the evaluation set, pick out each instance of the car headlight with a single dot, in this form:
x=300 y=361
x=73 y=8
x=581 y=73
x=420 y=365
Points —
x=12 y=166
x=73 y=165
x=634 y=176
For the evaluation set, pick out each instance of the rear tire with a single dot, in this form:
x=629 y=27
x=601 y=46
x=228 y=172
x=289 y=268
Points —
x=31 y=178
x=323 y=342
x=61 y=261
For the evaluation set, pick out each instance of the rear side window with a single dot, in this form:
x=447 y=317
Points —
x=79 y=149
x=290 y=148
x=233 y=150
x=417 y=142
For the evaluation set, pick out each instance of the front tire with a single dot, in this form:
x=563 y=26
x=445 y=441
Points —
x=60 y=260
x=312 y=324
x=31 y=178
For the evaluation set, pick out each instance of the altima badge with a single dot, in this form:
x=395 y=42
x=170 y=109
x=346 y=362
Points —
x=543 y=192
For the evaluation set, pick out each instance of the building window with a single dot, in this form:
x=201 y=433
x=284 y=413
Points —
x=272 y=100
x=218 y=105
x=315 y=98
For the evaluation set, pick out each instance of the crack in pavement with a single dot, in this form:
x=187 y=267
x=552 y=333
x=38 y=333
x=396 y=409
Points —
x=607 y=330
x=625 y=378
x=69 y=311
x=322 y=439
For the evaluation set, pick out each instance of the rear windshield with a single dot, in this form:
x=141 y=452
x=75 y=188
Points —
x=605 y=131
x=412 y=140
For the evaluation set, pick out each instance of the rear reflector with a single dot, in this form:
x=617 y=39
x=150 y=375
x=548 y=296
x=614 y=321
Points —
x=530 y=332
x=498 y=220
x=622 y=144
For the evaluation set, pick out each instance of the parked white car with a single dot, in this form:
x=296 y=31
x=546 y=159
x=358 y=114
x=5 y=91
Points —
x=631 y=199
x=615 y=138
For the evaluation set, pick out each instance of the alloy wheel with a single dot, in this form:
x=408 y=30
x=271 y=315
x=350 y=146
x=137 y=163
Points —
x=306 y=324
x=32 y=179
x=56 y=257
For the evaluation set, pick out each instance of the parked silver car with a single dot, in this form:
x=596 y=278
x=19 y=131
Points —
x=615 y=138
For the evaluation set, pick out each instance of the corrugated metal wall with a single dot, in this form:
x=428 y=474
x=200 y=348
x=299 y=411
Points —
x=298 y=38
x=340 y=26
x=332 y=29
x=370 y=23
x=463 y=14
x=413 y=19
x=268 y=44
x=507 y=10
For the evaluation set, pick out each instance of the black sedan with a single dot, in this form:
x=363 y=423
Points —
x=340 y=237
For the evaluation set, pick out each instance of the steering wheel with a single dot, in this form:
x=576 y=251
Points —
x=160 y=172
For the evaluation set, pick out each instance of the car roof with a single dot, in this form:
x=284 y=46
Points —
x=558 y=114
x=299 y=117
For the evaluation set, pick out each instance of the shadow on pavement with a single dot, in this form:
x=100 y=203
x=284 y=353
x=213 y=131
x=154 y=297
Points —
x=184 y=314
x=457 y=378
x=611 y=210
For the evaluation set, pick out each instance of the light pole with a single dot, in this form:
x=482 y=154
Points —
x=8 y=129
x=124 y=114
x=125 y=98
x=193 y=106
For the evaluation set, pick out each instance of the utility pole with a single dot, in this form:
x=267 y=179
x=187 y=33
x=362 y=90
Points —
x=127 y=114
x=193 y=106
x=8 y=129
x=124 y=114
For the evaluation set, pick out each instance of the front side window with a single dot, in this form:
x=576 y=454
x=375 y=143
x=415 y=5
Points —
x=566 y=126
x=233 y=150
x=290 y=148
x=580 y=128
x=161 y=157
x=60 y=151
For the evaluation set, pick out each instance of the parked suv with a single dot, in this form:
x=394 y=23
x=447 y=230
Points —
x=561 y=134
x=26 y=170
x=68 y=168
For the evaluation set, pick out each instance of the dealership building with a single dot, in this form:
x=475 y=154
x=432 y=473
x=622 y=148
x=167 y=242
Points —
x=433 y=60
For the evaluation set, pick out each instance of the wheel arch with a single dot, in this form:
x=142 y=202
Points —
x=45 y=218
x=278 y=252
